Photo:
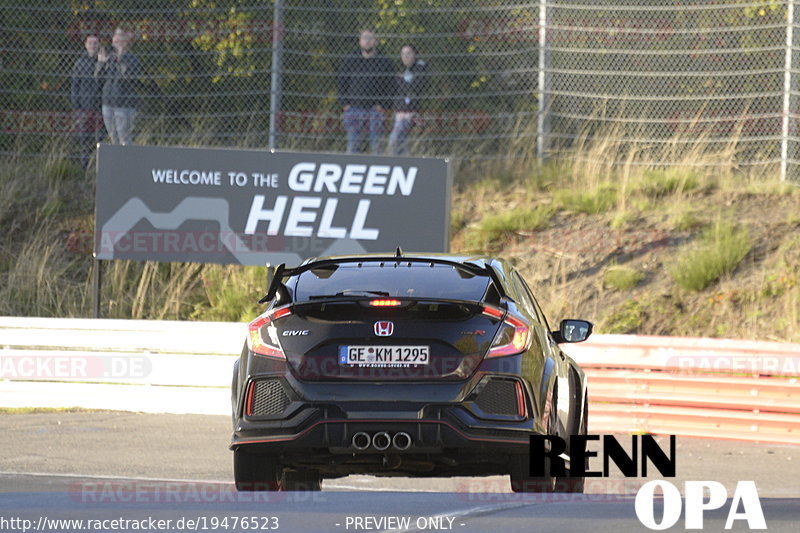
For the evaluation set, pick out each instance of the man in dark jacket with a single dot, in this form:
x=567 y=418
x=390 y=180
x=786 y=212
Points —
x=85 y=97
x=119 y=72
x=366 y=88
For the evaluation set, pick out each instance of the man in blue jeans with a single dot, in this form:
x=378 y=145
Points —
x=366 y=88
x=119 y=72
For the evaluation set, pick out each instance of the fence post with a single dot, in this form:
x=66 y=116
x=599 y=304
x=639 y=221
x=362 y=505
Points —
x=787 y=89
x=277 y=71
x=542 y=122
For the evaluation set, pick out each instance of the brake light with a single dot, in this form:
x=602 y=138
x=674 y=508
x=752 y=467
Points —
x=384 y=303
x=269 y=345
x=493 y=312
x=513 y=338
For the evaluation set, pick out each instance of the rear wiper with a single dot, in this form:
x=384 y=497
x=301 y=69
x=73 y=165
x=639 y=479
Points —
x=348 y=292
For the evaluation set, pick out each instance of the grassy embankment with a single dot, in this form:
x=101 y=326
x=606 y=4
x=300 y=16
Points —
x=701 y=249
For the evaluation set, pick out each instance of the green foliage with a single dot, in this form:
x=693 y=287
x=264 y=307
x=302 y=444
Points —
x=659 y=183
x=624 y=219
x=685 y=220
x=627 y=319
x=772 y=188
x=493 y=184
x=544 y=176
x=599 y=200
x=621 y=278
x=458 y=220
x=231 y=293
x=60 y=170
x=51 y=208
x=518 y=219
x=721 y=249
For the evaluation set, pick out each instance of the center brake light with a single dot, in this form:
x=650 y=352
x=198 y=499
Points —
x=384 y=303
x=513 y=336
x=256 y=341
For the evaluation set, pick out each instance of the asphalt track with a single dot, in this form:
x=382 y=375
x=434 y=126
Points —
x=116 y=465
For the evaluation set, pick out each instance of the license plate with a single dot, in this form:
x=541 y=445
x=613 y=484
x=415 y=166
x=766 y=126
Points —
x=384 y=355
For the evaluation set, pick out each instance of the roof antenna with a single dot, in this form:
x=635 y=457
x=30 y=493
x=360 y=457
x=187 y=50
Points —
x=398 y=252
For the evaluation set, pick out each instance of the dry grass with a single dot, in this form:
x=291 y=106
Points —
x=565 y=223
x=640 y=216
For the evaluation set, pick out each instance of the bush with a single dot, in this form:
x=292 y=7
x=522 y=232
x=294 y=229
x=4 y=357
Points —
x=590 y=202
x=660 y=183
x=627 y=319
x=518 y=219
x=721 y=249
x=686 y=220
x=621 y=278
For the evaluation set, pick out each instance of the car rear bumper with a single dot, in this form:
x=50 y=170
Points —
x=432 y=429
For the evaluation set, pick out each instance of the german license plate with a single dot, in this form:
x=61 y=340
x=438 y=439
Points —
x=384 y=355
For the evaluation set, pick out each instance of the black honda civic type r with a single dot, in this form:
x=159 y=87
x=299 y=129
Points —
x=402 y=365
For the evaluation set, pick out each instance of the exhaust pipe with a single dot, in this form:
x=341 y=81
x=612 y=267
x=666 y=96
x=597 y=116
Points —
x=381 y=441
x=401 y=441
x=361 y=440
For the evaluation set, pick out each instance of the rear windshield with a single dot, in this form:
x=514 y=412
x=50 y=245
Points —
x=410 y=280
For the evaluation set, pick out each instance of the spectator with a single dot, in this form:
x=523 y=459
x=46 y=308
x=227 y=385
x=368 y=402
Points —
x=119 y=71
x=85 y=97
x=365 y=90
x=411 y=83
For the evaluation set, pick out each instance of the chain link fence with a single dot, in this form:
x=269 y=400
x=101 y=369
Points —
x=672 y=79
x=662 y=79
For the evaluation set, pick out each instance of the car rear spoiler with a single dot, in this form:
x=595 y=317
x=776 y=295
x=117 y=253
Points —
x=281 y=271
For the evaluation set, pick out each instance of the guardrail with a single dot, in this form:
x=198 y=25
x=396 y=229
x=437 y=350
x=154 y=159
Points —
x=718 y=388
x=154 y=366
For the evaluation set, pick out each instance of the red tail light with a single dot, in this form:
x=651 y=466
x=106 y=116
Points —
x=248 y=404
x=262 y=336
x=384 y=303
x=513 y=338
x=522 y=409
x=493 y=312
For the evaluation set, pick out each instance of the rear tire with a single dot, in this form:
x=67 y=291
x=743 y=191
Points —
x=302 y=480
x=521 y=480
x=520 y=465
x=577 y=484
x=255 y=471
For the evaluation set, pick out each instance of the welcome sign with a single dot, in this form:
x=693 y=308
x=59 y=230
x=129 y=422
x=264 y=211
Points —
x=254 y=207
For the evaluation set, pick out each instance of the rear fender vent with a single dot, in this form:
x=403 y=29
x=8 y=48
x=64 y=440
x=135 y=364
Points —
x=267 y=397
x=499 y=397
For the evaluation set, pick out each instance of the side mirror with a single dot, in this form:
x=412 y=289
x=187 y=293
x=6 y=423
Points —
x=575 y=330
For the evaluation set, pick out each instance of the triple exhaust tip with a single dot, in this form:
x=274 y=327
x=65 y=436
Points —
x=401 y=441
x=361 y=440
x=381 y=441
